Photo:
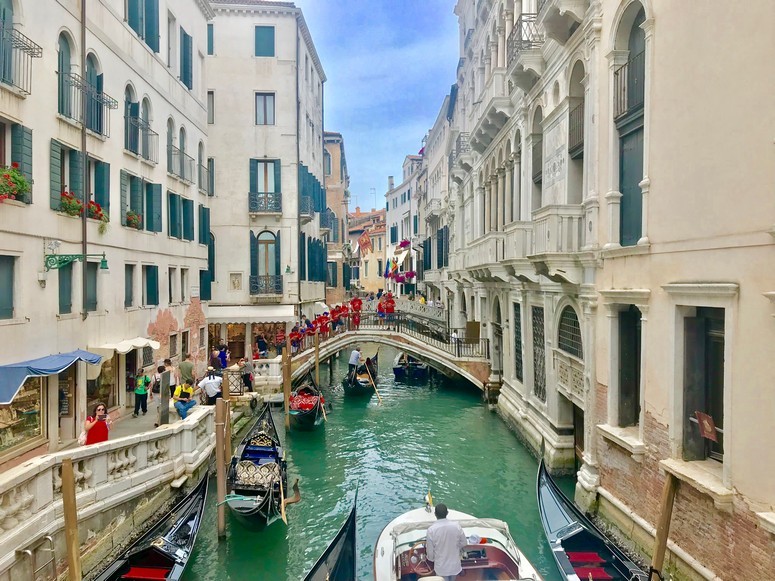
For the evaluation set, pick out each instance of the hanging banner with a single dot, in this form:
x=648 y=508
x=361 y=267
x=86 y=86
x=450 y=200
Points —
x=365 y=243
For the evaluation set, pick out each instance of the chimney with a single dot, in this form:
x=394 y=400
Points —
x=373 y=210
x=357 y=209
x=390 y=182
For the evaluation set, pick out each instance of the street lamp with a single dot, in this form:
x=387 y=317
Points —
x=56 y=261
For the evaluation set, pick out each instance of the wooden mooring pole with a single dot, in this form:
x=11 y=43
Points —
x=663 y=527
x=71 y=521
x=317 y=357
x=226 y=395
x=220 y=463
x=287 y=382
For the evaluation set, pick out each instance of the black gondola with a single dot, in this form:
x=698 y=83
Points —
x=360 y=382
x=163 y=552
x=256 y=473
x=306 y=405
x=580 y=549
x=337 y=563
x=407 y=367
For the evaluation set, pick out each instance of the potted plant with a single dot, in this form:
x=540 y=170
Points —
x=70 y=205
x=134 y=220
x=95 y=211
x=404 y=243
x=13 y=184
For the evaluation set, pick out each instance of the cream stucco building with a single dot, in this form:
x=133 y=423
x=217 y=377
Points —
x=335 y=218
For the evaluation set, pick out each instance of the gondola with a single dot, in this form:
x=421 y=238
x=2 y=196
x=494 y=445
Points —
x=360 y=383
x=407 y=367
x=580 y=549
x=337 y=563
x=163 y=552
x=256 y=474
x=306 y=405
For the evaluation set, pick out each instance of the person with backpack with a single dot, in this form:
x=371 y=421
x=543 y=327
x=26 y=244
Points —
x=142 y=386
x=156 y=379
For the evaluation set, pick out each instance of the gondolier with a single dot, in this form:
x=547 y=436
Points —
x=354 y=362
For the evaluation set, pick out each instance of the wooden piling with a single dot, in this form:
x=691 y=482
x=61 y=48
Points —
x=317 y=357
x=71 y=521
x=226 y=394
x=220 y=463
x=663 y=526
x=287 y=382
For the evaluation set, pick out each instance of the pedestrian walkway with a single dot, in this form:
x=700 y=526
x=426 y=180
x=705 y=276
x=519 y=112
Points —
x=129 y=426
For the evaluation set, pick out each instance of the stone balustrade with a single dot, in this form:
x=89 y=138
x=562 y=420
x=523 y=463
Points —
x=433 y=313
x=570 y=377
x=558 y=229
x=107 y=476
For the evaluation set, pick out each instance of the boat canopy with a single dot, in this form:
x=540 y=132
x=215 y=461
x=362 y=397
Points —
x=487 y=523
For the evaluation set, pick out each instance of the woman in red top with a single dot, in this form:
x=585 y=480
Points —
x=97 y=425
x=356 y=303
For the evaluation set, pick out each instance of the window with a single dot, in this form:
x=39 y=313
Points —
x=150 y=285
x=183 y=287
x=202 y=335
x=95 y=118
x=265 y=41
x=210 y=39
x=171 y=282
x=265 y=176
x=186 y=59
x=131 y=121
x=379 y=267
x=539 y=357
x=629 y=366
x=143 y=18
x=174 y=211
x=64 y=81
x=703 y=382
x=327 y=163
x=184 y=343
x=264 y=108
x=66 y=289
x=211 y=175
x=188 y=219
x=91 y=286
x=266 y=254
x=210 y=107
x=172 y=38
x=569 y=335
x=173 y=345
x=129 y=285
x=379 y=243
x=518 y=365
x=66 y=172
x=415 y=224
x=332 y=278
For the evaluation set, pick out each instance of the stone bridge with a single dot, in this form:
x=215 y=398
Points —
x=406 y=333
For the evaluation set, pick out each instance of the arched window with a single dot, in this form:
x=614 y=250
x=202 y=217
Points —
x=327 y=163
x=265 y=263
x=64 y=82
x=569 y=334
x=266 y=254
x=537 y=159
x=171 y=158
x=6 y=47
x=145 y=130
x=93 y=96
x=131 y=125
x=182 y=147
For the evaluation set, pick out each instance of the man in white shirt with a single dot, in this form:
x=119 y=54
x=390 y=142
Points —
x=355 y=360
x=444 y=541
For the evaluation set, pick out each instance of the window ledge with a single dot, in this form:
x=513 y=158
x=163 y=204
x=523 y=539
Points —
x=621 y=251
x=13 y=90
x=67 y=316
x=17 y=203
x=131 y=309
x=706 y=476
x=17 y=321
x=627 y=438
x=767 y=521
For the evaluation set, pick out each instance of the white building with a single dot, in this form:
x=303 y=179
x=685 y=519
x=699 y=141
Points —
x=270 y=253
x=140 y=74
x=403 y=222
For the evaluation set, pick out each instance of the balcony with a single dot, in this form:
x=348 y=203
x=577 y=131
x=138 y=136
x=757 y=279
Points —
x=432 y=209
x=78 y=97
x=180 y=164
x=494 y=111
x=576 y=131
x=561 y=18
x=482 y=259
x=16 y=54
x=204 y=180
x=306 y=209
x=570 y=377
x=525 y=61
x=557 y=239
x=266 y=288
x=327 y=221
x=141 y=139
x=629 y=85
x=265 y=203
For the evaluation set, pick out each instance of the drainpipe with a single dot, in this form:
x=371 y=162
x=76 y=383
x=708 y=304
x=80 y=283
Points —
x=84 y=164
x=298 y=165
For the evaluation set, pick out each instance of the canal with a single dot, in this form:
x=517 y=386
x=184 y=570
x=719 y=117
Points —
x=438 y=434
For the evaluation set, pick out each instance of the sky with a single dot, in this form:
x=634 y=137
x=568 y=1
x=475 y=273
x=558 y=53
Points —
x=389 y=65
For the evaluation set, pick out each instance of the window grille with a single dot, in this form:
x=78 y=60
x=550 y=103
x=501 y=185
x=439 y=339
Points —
x=539 y=358
x=147 y=356
x=569 y=339
x=518 y=366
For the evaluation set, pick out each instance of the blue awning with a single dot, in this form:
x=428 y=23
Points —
x=13 y=376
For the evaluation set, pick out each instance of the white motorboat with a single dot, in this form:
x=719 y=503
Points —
x=399 y=554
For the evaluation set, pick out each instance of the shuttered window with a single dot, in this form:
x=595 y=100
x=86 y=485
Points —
x=21 y=153
x=210 y=39
x=265 y=41
x=129 y=285
x=186 y=59
x=7 y=279
x=205 y=285
x=65 y=274
x=265 y=176
x=91 y=286
x=211 y=175
x=102 y=185
x=153 y=207
x=204 y=225
x=151 y=285
x=188 y=219
x=174 y=215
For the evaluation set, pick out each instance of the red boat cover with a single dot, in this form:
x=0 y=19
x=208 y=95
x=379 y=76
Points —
x=303 y=402
x=595 y=573
x=146 y=573
x=579 y=558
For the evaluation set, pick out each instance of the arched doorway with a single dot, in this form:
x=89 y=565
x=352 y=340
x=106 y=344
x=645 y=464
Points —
x=496 y=354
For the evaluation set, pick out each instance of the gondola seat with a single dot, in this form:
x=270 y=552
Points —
x=594 y=573
x=146 y=573
x=585 y=558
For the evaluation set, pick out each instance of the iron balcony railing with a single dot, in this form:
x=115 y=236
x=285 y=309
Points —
x=204 y=179
x=538 y=162
x=525 y=36
x=266 y=284
x=76 y=94
x=265 y=202
x=576 y=128
x=629 y=84
x=141 y=139
x=327 y=220
x=462 y=146
x=181 y=164
x=306 y=207
x=16 y=54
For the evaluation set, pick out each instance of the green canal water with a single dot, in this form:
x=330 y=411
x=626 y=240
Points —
x=438 y=435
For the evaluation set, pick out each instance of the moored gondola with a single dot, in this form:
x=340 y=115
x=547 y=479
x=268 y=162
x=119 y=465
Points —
x=407 y=367
x=337 y=563
x=360 y=383
x=257 y=475
x=163 y=552
x=580 y=549
x=306 y=405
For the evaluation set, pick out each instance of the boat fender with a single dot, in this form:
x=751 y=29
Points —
x=253 y=403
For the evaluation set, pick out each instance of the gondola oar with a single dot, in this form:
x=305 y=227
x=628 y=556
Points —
x=282 y=502
x=374 y=385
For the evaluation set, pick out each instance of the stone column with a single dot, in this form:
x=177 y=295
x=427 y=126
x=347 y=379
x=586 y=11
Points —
x=517 y=186
x=501 y=46
x=249 y=341
x=487 y=69
x=509 y=193
x=479 y=214
x=645 y=184
x=493 y=202
x=493 y=56
x=507 y=32
x=501 y=209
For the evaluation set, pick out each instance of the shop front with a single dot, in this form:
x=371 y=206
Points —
x=237 y=327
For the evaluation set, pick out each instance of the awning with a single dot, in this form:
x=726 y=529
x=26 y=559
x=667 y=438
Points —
x=250 y=314
x=130 y=345
x=319 y=308
x=13 y=376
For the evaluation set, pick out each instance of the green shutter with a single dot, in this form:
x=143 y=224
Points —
x=205 y=288
x=56 y=175
x=124 y=196
x=210 y=39
x=21 y=149
x=277 y=254
x=136 y=199
x=253 y=175
x=277 y=176
x=102 y=183
x=76 y=173
x=253 y=254
x=155 y=209
x=188 y=219
x=152 y=24
x=66 y=289
x=204 y=225
x=152 y=285
x=186 y=59
x=129 y=285
x=211 y=170
x=173 y=215
x=7 y=264
x=265 y=41
x=134 y=15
